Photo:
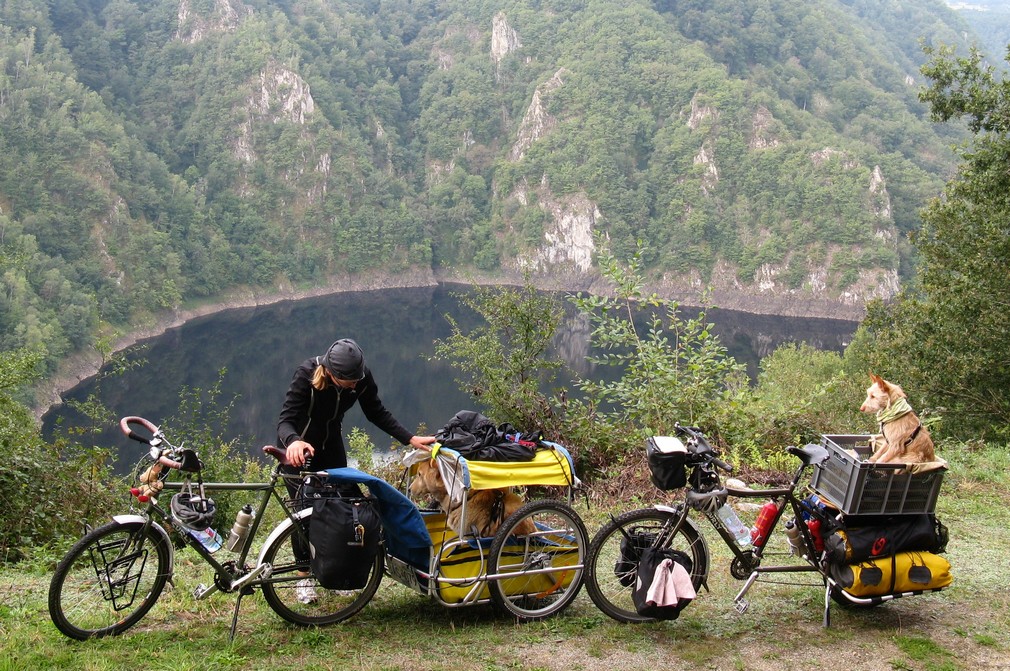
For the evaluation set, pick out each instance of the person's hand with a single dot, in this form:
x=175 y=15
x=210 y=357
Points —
x=422 y=442
x=298 y=452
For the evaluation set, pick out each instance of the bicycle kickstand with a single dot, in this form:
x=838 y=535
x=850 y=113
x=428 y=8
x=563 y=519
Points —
x=234 y=618
x=739 y=602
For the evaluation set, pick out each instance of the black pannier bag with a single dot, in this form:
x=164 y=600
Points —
x=632 y=545
x=651 y=569
x=343 y=541
x=666 y=455
x=872 y=537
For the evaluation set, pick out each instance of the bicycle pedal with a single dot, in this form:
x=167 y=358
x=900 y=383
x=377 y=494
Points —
x=202 y=591
x=741 y=606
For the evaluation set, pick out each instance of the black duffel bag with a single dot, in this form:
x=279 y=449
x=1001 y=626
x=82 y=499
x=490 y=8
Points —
x=872 y=537
x=343 y=540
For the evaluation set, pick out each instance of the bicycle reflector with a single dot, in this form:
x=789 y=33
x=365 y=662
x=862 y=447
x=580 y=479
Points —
x=193 y=511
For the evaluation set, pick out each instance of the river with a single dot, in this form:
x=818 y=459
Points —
x=258 y=349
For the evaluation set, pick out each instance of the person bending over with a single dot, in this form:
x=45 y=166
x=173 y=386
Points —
x=322 y=390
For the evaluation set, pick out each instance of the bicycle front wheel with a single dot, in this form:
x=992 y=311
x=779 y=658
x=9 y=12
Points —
x=109 y=580
x=612 y=568
x=296 y=596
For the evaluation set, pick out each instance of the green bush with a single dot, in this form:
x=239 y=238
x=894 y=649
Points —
x=504 y=363
x=46 y=493
x=801 y=392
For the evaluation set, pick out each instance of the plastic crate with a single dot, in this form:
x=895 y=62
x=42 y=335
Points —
x=858 y=487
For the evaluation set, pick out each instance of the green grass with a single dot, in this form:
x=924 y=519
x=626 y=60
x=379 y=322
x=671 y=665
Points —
x=965 y=627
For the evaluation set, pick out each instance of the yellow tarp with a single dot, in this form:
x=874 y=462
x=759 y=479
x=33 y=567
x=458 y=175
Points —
x=551 y=466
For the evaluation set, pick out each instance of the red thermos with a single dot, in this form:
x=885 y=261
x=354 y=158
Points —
x=763 y=525
x=815 y=532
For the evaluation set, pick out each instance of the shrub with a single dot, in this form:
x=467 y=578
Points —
x=801 y=392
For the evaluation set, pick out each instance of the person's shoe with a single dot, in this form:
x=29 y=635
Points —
x=305 y=591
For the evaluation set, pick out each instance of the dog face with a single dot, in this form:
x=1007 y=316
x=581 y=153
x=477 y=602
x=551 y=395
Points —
x=880 y=395
x=428 y=481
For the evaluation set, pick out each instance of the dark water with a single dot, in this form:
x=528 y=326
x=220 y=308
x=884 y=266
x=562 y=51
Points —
x=260 y=347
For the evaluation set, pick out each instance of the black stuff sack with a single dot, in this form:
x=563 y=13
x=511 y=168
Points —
x=477 y=438
x=663 y=588
x=343 y=541
x=883 y=536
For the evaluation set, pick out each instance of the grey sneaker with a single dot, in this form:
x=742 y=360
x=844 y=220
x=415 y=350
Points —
x=305 y=591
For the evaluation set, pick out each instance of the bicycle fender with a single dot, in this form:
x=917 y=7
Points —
x=128 y=519
x=278 y=530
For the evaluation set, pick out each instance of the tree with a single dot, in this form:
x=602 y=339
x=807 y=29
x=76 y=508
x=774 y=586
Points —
x=946 y=338
x=505 y=363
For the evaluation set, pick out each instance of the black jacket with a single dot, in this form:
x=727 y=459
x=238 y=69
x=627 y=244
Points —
x=327 y=412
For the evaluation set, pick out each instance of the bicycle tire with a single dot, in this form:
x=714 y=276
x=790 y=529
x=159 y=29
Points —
x=610 y=584
x=560 y=540
x=106 y=583
x=330 y=606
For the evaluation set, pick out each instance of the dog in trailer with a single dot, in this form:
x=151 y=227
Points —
x=486 y=509
x=902 y=439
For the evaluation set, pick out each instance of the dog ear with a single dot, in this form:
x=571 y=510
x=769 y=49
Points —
x=877 y=379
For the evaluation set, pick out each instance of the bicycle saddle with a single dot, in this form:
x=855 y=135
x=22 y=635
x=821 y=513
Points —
x=809 y=454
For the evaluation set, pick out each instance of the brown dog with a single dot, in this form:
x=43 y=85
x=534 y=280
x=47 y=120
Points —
x=904 y=439
x=486 y=509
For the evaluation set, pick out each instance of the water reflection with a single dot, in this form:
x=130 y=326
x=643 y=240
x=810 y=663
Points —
x=259 y=348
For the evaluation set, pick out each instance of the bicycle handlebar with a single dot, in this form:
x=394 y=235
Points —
x=722 y=464
x=703 y=450
x=124 y=426
x=155 y=441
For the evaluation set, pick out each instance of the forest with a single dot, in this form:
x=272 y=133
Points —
x=157 y=154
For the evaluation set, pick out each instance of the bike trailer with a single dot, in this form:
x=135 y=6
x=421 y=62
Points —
x=459 y=566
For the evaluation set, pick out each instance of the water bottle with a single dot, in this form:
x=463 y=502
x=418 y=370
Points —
x=763 y=524
x=240 y=530
x=209 y=538
x=733 y=525
x=797 y=546
x=814 y=525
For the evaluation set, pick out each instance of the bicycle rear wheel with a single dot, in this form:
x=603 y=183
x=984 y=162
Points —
x=612 y=570
x=109 y=580
x=296 y=596
x=538 y=536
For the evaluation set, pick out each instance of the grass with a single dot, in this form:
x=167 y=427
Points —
x=965 y=627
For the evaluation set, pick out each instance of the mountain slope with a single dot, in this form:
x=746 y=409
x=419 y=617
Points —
x=160 y=152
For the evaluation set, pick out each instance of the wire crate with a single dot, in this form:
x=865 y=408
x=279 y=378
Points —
x=858 y=487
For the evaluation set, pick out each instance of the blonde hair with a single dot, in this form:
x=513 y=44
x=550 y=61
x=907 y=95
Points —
x=320 y=380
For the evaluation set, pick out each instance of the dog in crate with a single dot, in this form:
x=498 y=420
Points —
x=902 y=438
x=486 y=509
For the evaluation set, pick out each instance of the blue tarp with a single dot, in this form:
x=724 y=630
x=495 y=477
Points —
x=406 y=535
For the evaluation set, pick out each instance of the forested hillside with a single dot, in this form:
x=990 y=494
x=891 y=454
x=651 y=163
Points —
x=990 y=22
x=161 y=151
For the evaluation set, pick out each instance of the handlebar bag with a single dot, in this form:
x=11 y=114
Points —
x=343 y=541
x=663 y=587
x=903 y=572
x=666 y=456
